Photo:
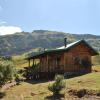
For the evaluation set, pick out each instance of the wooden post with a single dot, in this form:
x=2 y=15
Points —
x=33 y=62
x=39 y=67
x=29 y=62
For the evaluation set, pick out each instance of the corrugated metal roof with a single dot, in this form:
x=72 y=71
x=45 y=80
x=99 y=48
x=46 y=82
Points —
x=68 y=45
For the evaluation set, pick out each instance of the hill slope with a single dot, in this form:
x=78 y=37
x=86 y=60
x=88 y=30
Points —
x=40 y=88
x=19 y=43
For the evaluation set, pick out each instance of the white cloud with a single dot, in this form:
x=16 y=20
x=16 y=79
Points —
x=5 y=30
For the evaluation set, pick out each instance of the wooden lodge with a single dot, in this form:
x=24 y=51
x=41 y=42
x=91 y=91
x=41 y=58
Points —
x=74 y=57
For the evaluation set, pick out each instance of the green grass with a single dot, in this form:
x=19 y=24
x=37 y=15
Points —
x=23 y=91
x=19 y=61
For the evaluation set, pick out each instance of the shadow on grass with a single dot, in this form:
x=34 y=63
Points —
x=66 y=76
x=55 y=97
x=37 y=81
x=74 y=75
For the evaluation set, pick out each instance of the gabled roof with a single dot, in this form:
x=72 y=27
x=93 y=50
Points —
x=63 y=48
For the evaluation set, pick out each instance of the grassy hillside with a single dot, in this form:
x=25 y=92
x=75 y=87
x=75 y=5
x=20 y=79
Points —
x=96 y=59
x=37 y=90
x=19 y=43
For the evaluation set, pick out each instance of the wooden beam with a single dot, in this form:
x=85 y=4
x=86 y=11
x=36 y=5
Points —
x=39 y=64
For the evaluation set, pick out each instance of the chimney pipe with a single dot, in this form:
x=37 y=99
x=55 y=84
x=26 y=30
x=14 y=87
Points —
x=65 y=42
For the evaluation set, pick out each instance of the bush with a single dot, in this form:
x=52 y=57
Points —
x=7 y=72
x=18 y=78
x=58 y=85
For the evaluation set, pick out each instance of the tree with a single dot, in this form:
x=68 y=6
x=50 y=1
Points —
x=58 y=85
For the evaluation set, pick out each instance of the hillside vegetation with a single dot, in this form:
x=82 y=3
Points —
x=19 y=43
x=38 y=90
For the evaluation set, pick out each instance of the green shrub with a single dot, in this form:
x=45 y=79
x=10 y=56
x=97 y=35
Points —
x=7 y=72
x=58 y=85
x=18 y=77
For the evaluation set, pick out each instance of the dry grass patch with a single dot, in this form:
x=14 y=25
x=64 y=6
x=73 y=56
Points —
x=27 y=91
x=96 y=68
x=38 y=90
x=88 y=81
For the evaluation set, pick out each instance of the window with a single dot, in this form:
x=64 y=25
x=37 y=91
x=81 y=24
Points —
x=84 y=62
x=77 y=60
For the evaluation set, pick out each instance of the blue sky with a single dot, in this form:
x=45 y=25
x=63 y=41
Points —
x=74 y=16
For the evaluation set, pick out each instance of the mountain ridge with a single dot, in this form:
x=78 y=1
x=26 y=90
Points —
x=22 y=42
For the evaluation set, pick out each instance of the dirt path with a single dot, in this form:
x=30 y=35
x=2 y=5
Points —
x=7 y=86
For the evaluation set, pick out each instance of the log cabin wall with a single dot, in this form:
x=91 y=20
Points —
x=52 y=62
x=48 y=63
x=43 y=64
x=80 y=51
